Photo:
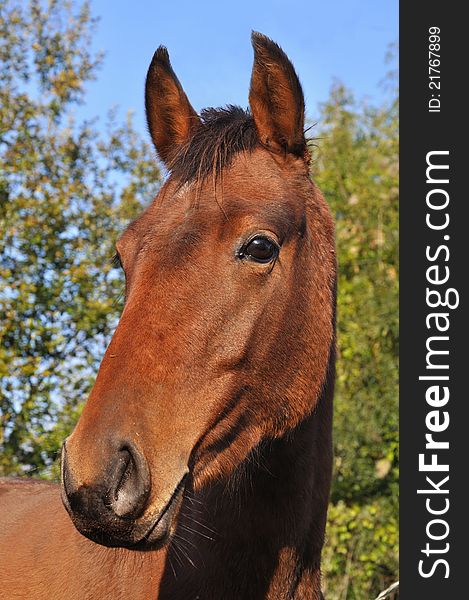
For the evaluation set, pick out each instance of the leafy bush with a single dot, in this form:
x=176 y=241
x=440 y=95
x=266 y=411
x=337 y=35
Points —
x=357 y=169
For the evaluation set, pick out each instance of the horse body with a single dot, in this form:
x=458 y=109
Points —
x=42 y=555
x=200 y=467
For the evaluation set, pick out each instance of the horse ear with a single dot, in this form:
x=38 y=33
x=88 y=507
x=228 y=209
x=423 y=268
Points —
x=170 y=116
x=276 y=98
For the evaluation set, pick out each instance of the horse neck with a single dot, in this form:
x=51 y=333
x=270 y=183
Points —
x=261 y=535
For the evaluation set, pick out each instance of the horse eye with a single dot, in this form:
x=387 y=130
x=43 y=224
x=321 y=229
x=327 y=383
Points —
x=117 y=261
x=260 y=249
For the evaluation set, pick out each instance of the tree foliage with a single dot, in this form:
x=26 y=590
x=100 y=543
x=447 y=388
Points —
x=357 y=170
x=65 y=191
x=68 y=187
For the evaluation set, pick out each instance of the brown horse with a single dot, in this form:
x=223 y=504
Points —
x=200 y=467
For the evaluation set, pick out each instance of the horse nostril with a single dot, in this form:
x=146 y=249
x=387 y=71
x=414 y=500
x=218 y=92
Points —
x=130 y=486
x=64 y=473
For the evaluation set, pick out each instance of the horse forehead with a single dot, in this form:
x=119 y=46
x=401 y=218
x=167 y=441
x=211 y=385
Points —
x=259 y=175
x=254 y=185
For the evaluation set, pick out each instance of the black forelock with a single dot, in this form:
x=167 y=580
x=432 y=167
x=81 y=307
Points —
x=224 y=133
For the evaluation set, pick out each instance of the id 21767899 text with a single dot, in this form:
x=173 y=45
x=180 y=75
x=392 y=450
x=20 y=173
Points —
x=434 y=72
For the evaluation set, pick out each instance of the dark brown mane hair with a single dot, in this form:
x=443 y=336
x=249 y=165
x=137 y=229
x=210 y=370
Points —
x=224 y=132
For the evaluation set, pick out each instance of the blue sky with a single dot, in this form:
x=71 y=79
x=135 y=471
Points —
x=209 y=46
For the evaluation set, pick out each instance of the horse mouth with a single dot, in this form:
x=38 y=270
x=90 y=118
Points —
x=152 y=532
x=161 y=529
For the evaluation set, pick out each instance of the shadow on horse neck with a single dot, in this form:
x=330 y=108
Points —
x=207 y=435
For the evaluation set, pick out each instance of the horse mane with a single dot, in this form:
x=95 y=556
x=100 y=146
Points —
x=224 y=132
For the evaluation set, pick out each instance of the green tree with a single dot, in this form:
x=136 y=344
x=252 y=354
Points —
x=65 y=192
x=356 y=167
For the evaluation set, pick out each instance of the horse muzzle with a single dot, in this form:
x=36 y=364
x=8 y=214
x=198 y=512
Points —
x=114 y=511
